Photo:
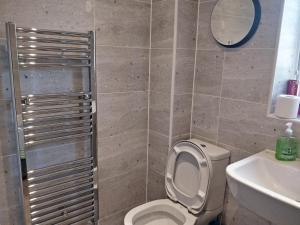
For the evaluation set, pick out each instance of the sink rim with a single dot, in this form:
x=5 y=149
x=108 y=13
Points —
x=266 y=155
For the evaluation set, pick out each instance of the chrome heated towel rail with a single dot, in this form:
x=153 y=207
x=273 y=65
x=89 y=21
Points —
x=58 y=193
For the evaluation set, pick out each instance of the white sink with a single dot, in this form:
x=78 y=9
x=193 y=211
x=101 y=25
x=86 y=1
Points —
x=268 y=187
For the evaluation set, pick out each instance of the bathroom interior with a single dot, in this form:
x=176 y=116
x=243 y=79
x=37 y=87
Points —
x=149 y=112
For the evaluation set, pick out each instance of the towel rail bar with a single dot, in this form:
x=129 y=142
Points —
x=34 y=39
x=31 y=143
x=51 y=32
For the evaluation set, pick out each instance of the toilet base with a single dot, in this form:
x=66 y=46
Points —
x=207 y=216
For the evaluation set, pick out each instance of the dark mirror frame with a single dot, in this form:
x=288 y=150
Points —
x=249 y=35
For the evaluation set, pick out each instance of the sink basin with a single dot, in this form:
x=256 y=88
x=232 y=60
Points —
x=268 y=187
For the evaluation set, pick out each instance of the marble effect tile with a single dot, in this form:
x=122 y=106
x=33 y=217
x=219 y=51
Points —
x=7 y=129
x=68 y=15
x=161 y=70
x=205 y=116
x=184 y=71
x=158 y=152
x=122 y=192
x=124 y=153
x=114 y=219
x=10 y=189
x=209 y=69
x=12 y=216
x=247 y=74
x=50 y=154
x=205 y=37
x=159 y=112
x=122 y=143
x=121 y=112
x=182 y=114
x=122 y=23
x=122 y=69
x=187 y=24
x=266 y=34
x=5 y=87
x=162 y=23
x=156 y=186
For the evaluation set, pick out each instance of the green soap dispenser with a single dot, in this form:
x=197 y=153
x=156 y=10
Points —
x=287 y=145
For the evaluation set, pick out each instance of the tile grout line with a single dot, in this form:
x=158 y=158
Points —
x=220 y=98
x=148 y=99
x=195 y=65
x=173 y=73
x=232 y=99
x=121 y=92
x=120 y=46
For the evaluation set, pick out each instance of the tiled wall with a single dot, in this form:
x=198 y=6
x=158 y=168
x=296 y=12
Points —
x=122 y=28
x=123 y=40
x=228 y=99
x=231 y=93
x=173 y=42
x=67 y=14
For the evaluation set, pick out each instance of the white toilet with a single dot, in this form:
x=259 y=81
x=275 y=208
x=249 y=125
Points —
x=195 y=183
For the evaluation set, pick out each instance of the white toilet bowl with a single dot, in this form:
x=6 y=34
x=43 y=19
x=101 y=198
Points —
x=195 y=183
x=163 y=212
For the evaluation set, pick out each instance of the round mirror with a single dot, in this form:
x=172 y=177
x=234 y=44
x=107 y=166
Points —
x=233 y=22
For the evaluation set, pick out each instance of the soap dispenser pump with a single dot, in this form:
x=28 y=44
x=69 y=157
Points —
x=287 y=145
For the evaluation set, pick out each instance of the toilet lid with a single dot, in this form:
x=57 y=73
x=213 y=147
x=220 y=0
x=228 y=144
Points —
x=188 y=175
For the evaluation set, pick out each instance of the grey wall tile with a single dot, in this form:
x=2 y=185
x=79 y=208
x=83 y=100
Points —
x=52 y=80
x=115 y=218
x=162 y=23
x=245 y=125
x=205 y=37
x=180 y=138
x=235 y=133
x=159 y=112
x=121 y=112
x=5 y=88
x=157 y=152
x=120 y=144
x=182 y=114
x=70 y=15
x=209 y=68
x=123 y=153
x=10 y=189
x=197 y=136
x=205 y=116
x=187 y=24
x=161 y=70
x=12 y=216
x=235 y=153
x=254 y=114
x=122 y=22
x=122 y=192
x=7 y=129
x=247 y=74
x=156 y=186
x=184 y=74
x=266 y=34
x=49 y=154
x=122 y=69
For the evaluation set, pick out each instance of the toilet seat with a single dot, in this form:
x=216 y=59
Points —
x=159 y=212
x=188 y=176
